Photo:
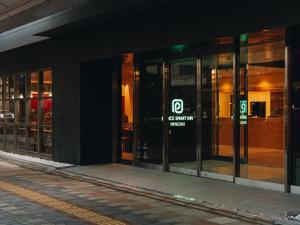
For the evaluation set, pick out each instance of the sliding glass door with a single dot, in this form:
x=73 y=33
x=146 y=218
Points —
x=217 y=112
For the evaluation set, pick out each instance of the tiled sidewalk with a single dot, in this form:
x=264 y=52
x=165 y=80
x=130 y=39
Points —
x=220 y=194
x=121 y=205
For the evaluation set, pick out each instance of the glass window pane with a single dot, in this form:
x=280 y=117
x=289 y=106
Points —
x=1 y=135
x=11 y=87
x=46 y=141
x=127 y=108
x=20 y=111
x=217 y=123
x=20 y=86
x=46 y=111
x=32 y=111
x=1 y=88
x=150 y=106
x=2 y=114
x=47 y=83
x=9 y=111
x=21 y=137
x=182 y=119
x=33 y=79
x=32 y=138
x=262 y=153
x=10 y=137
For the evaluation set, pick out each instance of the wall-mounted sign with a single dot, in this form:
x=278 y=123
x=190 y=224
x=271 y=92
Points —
x=243 y=112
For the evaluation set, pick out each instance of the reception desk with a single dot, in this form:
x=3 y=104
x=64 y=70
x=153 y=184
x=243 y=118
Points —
x=262 y=132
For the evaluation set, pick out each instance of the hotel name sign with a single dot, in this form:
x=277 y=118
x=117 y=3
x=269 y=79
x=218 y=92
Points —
x=178 y=120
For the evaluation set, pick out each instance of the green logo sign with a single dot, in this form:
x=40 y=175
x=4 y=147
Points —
x=243 y=112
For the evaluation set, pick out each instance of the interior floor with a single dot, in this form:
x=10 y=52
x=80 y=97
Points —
x=263 y=164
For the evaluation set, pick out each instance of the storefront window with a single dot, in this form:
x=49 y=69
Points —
x=26 y=112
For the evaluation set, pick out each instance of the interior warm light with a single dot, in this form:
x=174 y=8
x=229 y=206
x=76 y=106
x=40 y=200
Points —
x=50 y=93
x=21 y=96
x=12 y=96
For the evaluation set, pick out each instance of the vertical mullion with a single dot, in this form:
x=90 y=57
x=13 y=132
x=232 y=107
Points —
x=236 y=106
x=39 y=140
x=287 y=119
x=217 y=113
x=27 y=77
x=246 y=125
x=166 y=86
x=136 y=92
x=199 y=114
x=4 y=110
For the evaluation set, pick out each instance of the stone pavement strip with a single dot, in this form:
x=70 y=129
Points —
x=34 y=197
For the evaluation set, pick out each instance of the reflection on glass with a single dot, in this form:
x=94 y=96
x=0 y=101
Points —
x=262 y=156
x=33 y=79
x=32 y=133
x=32 y=106
x=217 y=124
x=9 y=111
x=10 y=88
x=127 y=108
x=1 y=135
x=2 y=114
x=182 y=119
x=150 y=106
x=46 y=111
x=20 y=86
x=1 y=88
x=21 y=137
x=46 y=142
x=47 y=83
x=10 y=136
x=20 y=111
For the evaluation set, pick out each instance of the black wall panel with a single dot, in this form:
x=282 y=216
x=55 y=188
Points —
x=96 y=112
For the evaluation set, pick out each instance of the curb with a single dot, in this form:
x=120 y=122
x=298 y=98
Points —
x=166 y=197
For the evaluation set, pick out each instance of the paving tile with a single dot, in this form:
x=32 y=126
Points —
x=222 y=220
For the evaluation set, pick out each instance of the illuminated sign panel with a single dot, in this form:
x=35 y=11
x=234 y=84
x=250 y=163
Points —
x=243 y=112
x=177 y=107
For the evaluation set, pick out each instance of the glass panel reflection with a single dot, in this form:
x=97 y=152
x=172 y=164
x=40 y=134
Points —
x=32 y=138
x=10 y=137
x=32 y=106
x=1 y=135
x=20 y=111
x=9 y=111
x=21 y=139
x=47 y=83
x=20 y=86
x=46 y=140
x=33 y=79
x=182 y=119
x=46 y=111
x=150 y=106
x=262 y=156
x=217 y=123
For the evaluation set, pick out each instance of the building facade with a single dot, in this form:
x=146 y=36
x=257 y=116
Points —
x=205 y=89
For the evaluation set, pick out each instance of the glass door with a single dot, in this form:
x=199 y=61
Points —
x=217 y=112
x=182 y=118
